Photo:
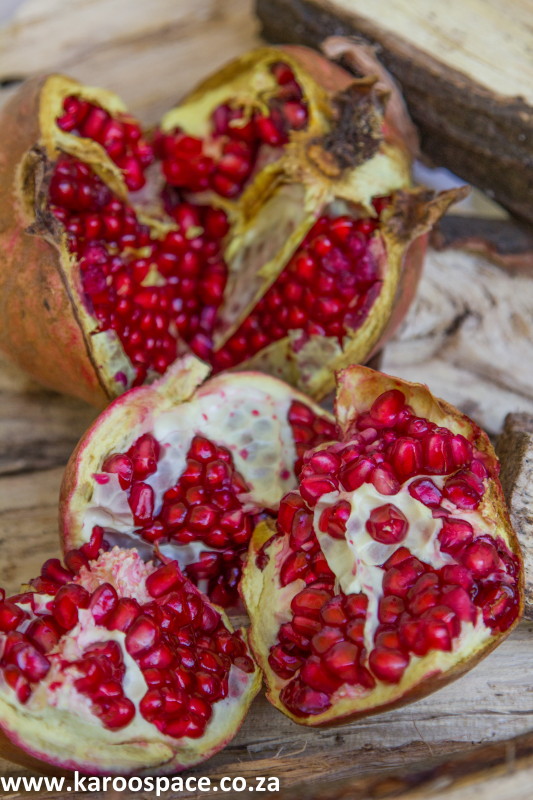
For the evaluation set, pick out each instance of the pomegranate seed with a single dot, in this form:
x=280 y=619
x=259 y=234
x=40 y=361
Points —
x=387 y=524
x=10 y=616
x=480 y=557
x=455 y=535
x=121 y=465
x=142 y=635
x=385 y=408
x=164 y=579
x=315 y=675
x=388 y=665
x=342 y=660
x=102 y=602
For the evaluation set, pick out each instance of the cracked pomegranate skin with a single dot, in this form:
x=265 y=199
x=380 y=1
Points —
x=393 y=568
x=112 y=665
x=268 y=223
x=190 y=466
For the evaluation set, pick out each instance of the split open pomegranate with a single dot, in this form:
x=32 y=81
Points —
x=393 y=567
x=268 y=222
x=110 y=664
x=191 y=468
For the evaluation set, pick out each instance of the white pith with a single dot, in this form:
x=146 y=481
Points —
x=57 y=711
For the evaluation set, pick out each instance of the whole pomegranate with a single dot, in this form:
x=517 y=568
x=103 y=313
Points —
x=268 y=222
x=392 y=568
x=191 y=468
x=113 y=665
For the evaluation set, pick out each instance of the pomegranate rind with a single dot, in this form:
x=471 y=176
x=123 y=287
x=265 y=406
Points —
x=135 y=412
x=268 y=603
x=67 y=740
x=46 y=328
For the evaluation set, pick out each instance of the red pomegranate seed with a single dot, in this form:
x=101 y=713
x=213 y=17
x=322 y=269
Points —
x=387 y=524
x=455 y=535
x=120 y=464
x=116 y=713
x=342 y=660
x=386 y=408
x=426 y=492
x=437 y=453
x=10 y=616
x=315 y=675
x=406 y=457
x=44 y=633
x=460 y=603
x=302 y=700
x=480 y=557
x=388 y=665
x=309 y=602
x=164 y=579
x=142 y=635
x=141 y=502
x=333 y=520
x=102 y=602
x=332 y=613
x=122 y=616
x=390 y=608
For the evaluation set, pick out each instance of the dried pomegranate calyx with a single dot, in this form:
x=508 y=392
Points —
x=120 y=666
x=394 y=567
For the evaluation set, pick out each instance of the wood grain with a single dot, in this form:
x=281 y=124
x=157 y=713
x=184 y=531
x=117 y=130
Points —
x=445 y=56
x=515 y=449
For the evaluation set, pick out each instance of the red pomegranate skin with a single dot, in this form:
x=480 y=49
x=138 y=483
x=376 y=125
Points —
x=40 y=331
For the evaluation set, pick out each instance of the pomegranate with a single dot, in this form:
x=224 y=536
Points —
x=268 y=221
x=111 y=664
x=392 y=568
x=191 y=469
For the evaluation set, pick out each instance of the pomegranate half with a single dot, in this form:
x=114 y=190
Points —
x=191 y=468
x=420 y=571
x=110 y=664
x=268 y=222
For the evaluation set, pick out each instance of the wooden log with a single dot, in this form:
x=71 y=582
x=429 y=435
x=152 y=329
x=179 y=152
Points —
x=515 y=450
x=464 y=66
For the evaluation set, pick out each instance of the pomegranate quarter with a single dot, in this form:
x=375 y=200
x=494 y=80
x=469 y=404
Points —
x=113 y=665
x=191 y=468
x=268 y=222
x=392 y=568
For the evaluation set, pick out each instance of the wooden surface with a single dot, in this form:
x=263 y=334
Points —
x=469 y=336
x=466 y=70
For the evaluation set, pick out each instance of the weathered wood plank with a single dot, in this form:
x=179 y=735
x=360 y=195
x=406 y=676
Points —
x=149 y=53
x=469 y=336
x=515 y=449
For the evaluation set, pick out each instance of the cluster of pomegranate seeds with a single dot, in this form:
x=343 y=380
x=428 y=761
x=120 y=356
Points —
x=204 y=505
x=422 y=607
x=225 y=160
x=151 y=292
x=179 y=642
x=156 y=293
x=119 y=135
x=328 y=285
x=308 y=430
x=30 y=630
